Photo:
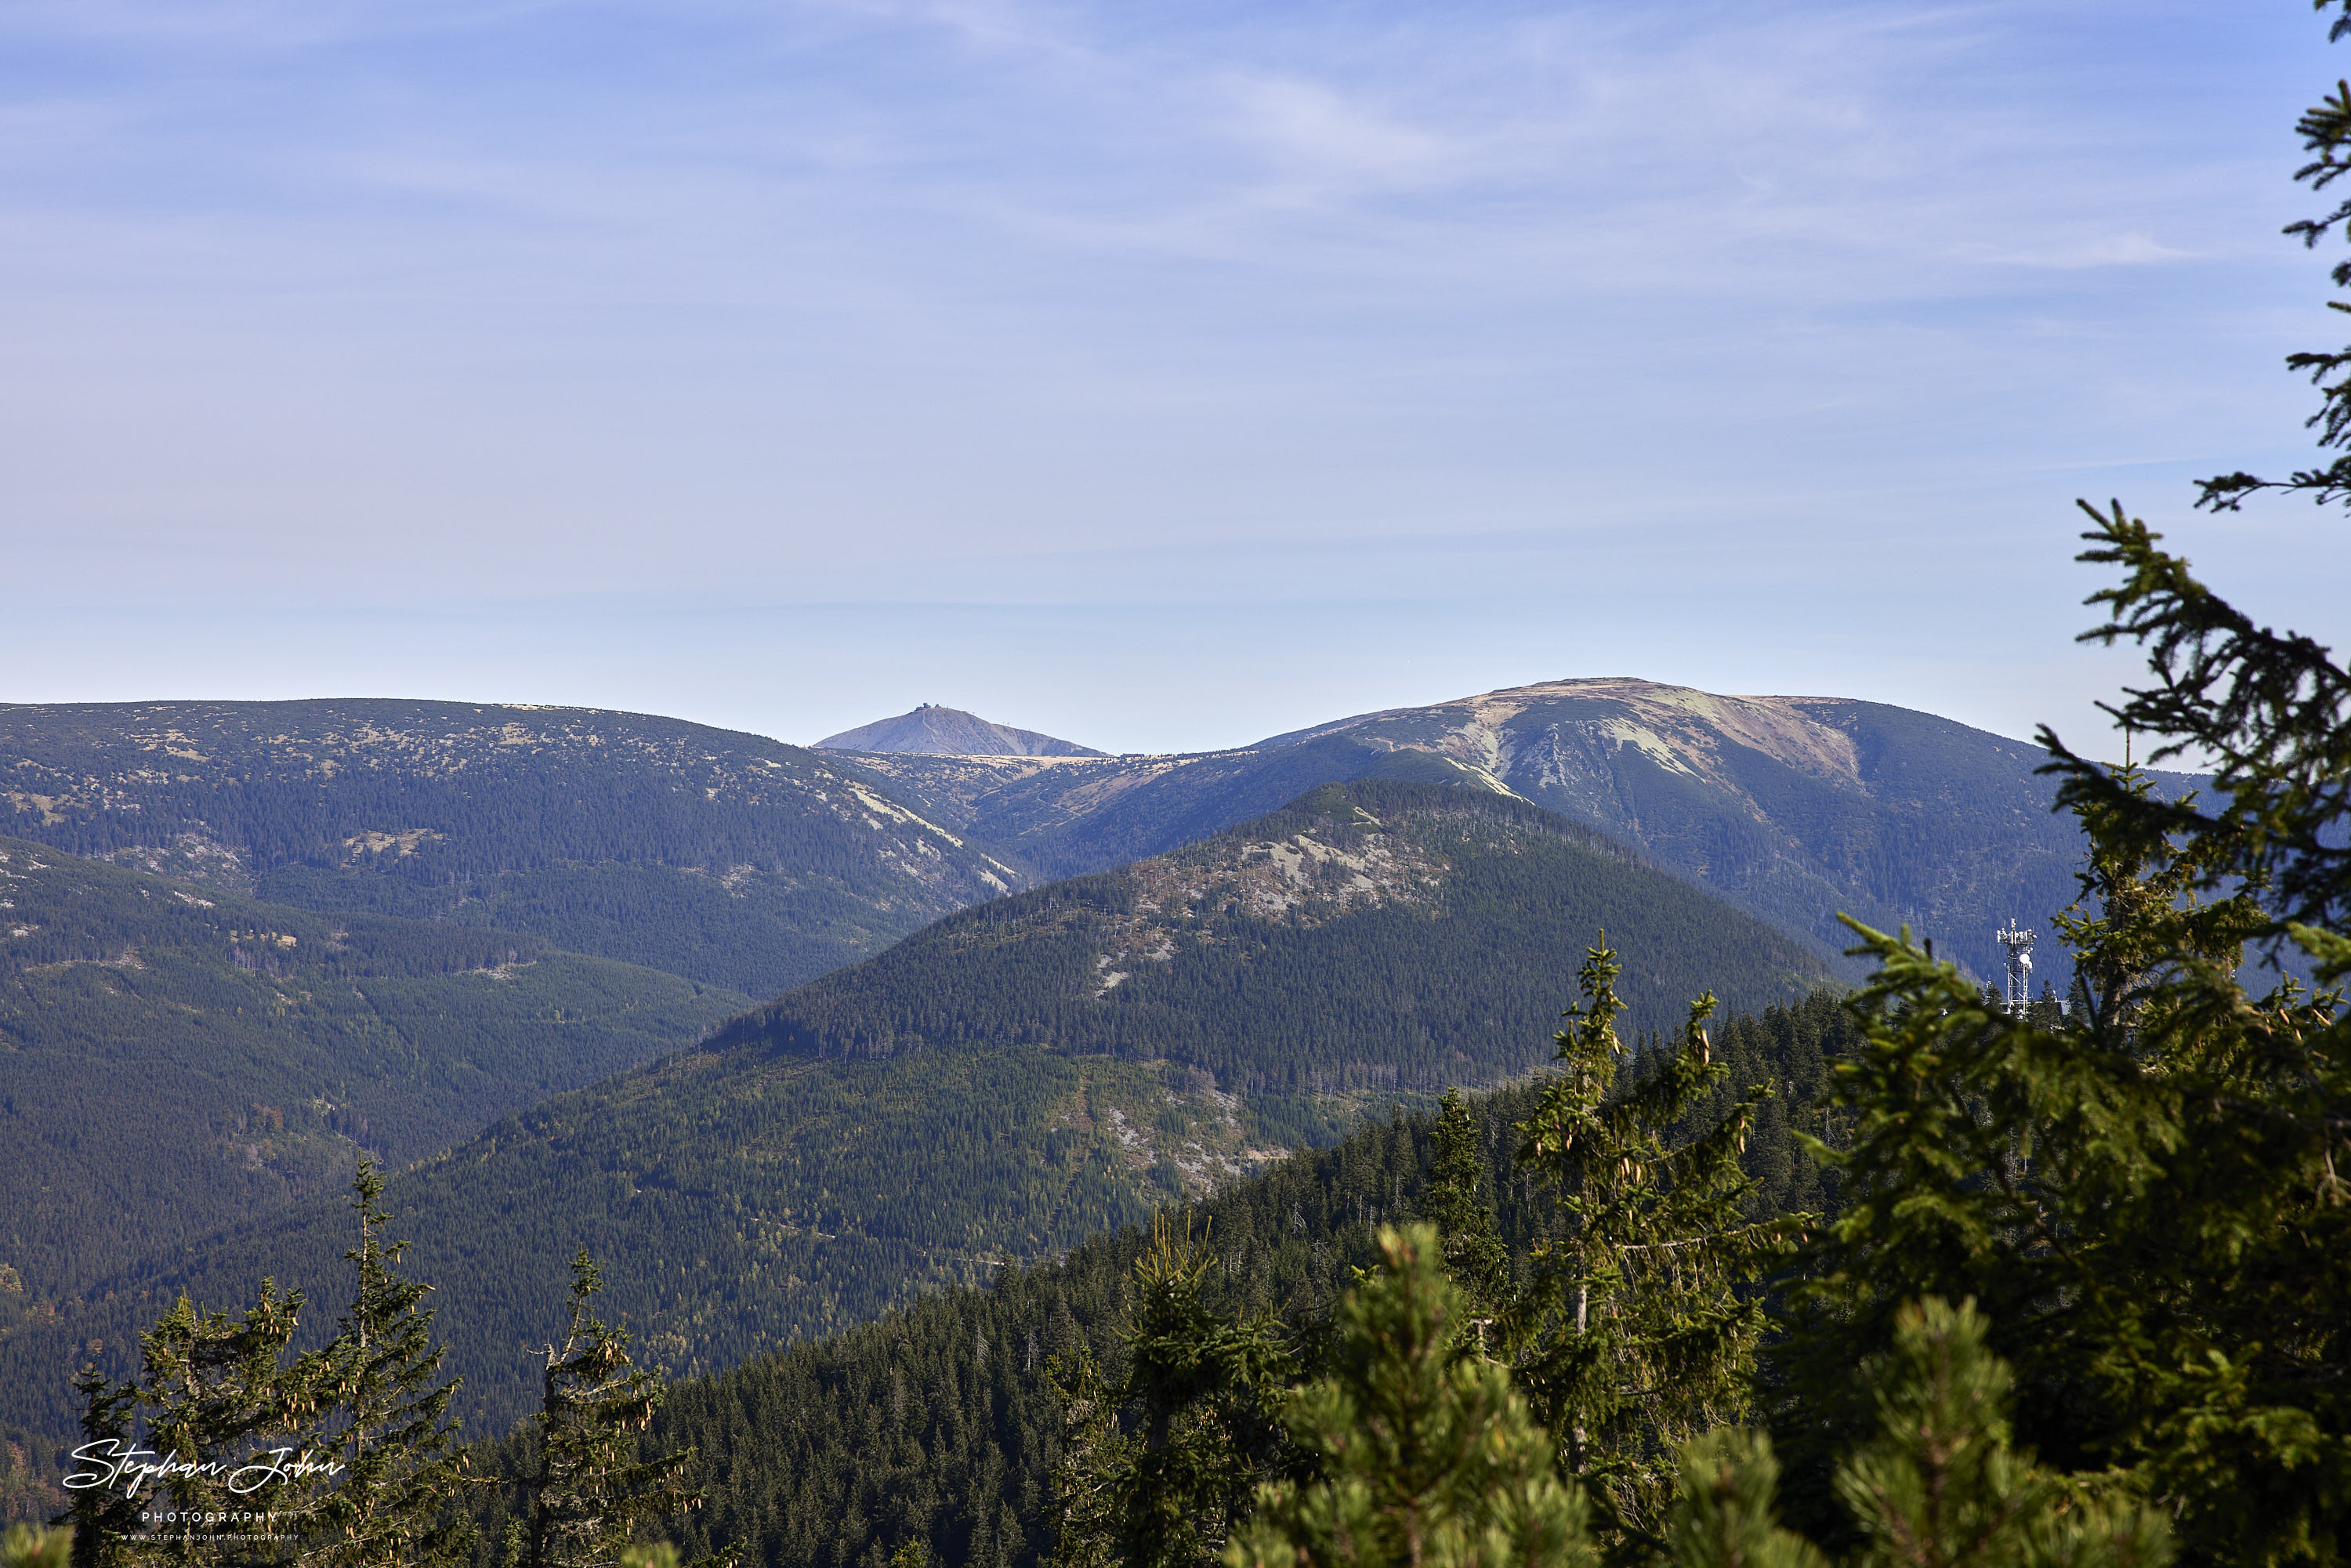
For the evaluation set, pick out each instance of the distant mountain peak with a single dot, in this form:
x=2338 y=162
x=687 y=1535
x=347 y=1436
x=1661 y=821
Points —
x=951 y=732
x=1680 y=728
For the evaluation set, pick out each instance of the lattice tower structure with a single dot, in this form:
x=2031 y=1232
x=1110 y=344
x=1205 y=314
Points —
x=2018 y=941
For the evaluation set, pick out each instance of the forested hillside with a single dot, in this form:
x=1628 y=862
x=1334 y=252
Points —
x=1024 y=1077
x=936 y=1425
x=1374 y=936
x=729 y=859
x=175 y=1059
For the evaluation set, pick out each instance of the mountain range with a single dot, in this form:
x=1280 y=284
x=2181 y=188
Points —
x=746 y=864
x=1016 y=1078
x=1795 y=809
x=728 y=858
x=1020 y=997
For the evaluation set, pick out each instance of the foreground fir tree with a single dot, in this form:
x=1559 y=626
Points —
x=1939 y=1486
x=1156 y=1472
x=388 y=1425
x=1423 y=1455
x=2145 y=1197
x=216 y=1388
x=589 y=1491
x=2148 y=1196
x=1639 y=1328
x=346 y=1451
x=101 y=1517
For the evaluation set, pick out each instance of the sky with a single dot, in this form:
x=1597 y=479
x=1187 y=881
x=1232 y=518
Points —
x=1161 y=376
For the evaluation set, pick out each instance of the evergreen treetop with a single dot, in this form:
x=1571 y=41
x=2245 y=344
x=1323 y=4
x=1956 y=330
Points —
x=377 y=1382
x=591 y=1491
x=1640 y=1327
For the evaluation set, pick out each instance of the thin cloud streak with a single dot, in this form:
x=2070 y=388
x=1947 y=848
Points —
x=1087 y=306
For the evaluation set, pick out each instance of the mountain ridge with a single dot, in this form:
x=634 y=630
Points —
x=730 y=859
x=1797 y=808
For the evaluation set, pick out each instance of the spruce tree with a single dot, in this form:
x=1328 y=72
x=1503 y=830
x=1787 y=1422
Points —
x=102 y=1516
x=1424 y=1456
x=589 y=1491
x=1640 y=1326
x=216 y=1394
x=1166 y=1485
x=2145 y=1194
x=1456 y=1203
x=387 y=1418
x=2146 y=1197
x=1091 y=1466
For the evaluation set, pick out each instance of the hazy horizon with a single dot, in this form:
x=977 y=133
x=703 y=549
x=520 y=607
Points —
x=1160 y=377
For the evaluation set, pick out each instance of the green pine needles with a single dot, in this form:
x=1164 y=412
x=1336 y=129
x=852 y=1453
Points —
x=228 y=1449
x=589 y=1491
x=1938 y=1483
x=1462 y=1211
x=391 y=1436
x=1162 y=1484
x=1421 y=1454
x=1638 y=1331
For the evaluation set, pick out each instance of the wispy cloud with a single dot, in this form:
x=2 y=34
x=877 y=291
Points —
x=674 y=295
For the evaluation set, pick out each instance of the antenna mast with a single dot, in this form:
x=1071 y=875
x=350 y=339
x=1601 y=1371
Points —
x=2019 y=943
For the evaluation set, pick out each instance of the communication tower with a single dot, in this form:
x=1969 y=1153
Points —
x=2019 y=943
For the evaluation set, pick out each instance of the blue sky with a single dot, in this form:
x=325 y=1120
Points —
x=1164 y=376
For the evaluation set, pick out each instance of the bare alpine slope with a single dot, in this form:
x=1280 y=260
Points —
x=951 y=732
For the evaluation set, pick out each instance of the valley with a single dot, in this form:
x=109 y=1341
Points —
x=175 y=1062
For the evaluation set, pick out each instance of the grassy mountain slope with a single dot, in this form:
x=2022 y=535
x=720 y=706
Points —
x=1017 y=1079
x=175 y=1059
x=729 y=859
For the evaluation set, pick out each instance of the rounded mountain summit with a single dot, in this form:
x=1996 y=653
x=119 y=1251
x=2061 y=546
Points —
x=951 y=732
